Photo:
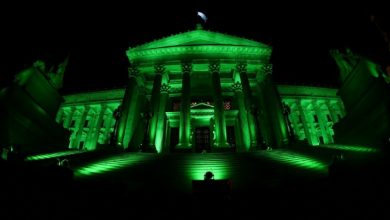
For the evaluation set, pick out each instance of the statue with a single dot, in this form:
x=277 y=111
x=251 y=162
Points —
x=55 y=74
x=345 y=61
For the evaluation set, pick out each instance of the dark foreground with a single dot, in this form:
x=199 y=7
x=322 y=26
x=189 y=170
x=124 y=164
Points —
x=52 y=193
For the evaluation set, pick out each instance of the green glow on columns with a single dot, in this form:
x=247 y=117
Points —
x=52 y=155
x=295 y=159
x=350 y=148
x=159 y=140
x=111 y=164
x=198 y=165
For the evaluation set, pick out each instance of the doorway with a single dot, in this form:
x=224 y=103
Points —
x=202 y=139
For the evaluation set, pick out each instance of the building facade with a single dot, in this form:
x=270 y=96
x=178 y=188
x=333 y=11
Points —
x=200 y=91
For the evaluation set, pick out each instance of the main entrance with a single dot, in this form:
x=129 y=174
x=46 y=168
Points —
x=202 y=139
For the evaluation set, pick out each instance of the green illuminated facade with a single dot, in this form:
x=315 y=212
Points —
x=200 y=91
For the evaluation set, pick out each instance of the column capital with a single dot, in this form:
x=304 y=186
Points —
x=165 y=88
x=237 y=87
x=214 y=66
x=159 y=68
x=133 y=71
x=241 y=67
x=265 y=70
x=186 y=67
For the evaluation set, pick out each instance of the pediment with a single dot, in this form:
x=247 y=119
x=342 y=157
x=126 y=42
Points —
x=202 y=106
x=199 y=37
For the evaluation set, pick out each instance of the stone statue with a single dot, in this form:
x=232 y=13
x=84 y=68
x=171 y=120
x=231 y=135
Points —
x=345 y=61
x=55 y=74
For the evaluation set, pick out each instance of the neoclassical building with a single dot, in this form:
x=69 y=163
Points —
x=200 y=91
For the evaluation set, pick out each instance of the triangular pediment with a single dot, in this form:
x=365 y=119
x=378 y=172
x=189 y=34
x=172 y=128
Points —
x=202 y=106
x=199 y=37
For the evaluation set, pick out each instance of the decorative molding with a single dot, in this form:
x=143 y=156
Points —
x=229 y=51
x=214 y=66
x=164 y=88
x=241 y=67
x=133 y=71
x=200 y=36
x=159 y=68
x=267 y=69
x=237 y=87
x=186 y=67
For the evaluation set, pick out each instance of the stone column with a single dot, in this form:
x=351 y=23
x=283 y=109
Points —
x=97 y=126
x=321 y=121
x=304 y=121
x=69 y=117
x=274 y=108
x=242 y=70
x=133 y=117
x=155 y=101
x=128 y=102
x=293 y=118
x=59 y=116
x=160 y=131
x=340 y=105
x=185 y=117
x=263 y=116
x=79 y=128
x=219 y=117
x=107 y=125
x=245 y=133
x=93 y=114
x=332 y=111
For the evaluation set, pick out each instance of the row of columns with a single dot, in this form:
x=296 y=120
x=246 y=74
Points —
x=159 y=98
x=271 y=119
x=310 y=131
x=95 y=114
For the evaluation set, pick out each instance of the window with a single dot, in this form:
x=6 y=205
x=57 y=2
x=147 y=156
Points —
x=227 y=105
x=328 y=117
x=86 y=123
x=176 y=106
x=73 y=123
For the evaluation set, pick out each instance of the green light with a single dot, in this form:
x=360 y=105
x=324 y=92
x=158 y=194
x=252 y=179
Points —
x=199 y=43
x=295 y=159
x=198 y=165
x=53 y=155
x=110 y=164
x=350 y=148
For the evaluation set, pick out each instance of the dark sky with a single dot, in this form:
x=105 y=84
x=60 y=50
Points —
x=97 y=36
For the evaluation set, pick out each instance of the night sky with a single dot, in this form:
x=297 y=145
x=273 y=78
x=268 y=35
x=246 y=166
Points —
x=97 y=36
